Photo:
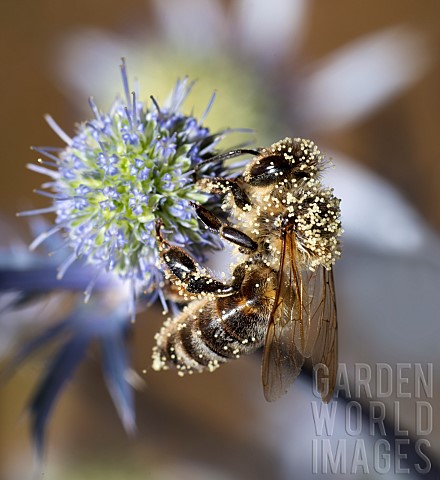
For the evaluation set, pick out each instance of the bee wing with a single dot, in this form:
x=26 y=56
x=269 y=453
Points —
x=302 y=324
x=325 y=331
x=282 y=360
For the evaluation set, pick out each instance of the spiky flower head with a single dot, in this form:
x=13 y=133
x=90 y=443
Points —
x=122 y=171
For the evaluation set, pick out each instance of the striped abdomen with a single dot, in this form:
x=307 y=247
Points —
x=211 y=331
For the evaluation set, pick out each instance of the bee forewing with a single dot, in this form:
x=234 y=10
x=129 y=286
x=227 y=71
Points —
x=306 y=286
x=302 y=324
x=281 y=364
x=282 y=360
x=325 y=350
x=313 y=307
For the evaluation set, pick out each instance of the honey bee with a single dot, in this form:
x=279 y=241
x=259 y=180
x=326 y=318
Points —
x=285 y=226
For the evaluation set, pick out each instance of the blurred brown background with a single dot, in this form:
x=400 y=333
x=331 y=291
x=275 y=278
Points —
x=400 y=141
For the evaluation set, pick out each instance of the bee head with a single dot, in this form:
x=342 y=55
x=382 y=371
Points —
x=291 y=159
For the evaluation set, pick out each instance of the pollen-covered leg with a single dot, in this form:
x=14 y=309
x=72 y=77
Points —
x=227 y=232
x=224 y=186
x=191 y=276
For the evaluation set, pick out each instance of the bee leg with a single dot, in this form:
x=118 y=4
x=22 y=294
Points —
x=192 y=277
x=238 y=275
x=223 y=186
x=231 y=234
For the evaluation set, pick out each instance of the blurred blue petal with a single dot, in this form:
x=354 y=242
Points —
x=43 y=278
x=38 y=277
x=58 y=373
x=32 y=346
x=27 y=276
x=13 y=300
x=86 y=323
x=115 y=365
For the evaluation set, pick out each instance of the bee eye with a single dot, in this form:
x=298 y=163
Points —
x=267 y=170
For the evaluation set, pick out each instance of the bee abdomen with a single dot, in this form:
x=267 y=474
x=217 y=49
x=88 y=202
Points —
x=244 y=321
x=180 y=343
x=217 y=338
x=200 y=339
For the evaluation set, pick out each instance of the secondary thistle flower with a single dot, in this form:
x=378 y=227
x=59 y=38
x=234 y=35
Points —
x=33 y=300
x=122 y=171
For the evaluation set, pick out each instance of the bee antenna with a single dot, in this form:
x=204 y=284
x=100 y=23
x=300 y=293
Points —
x=226 y=156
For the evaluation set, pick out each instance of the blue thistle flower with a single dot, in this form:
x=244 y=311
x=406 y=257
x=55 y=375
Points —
x=122 y=171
